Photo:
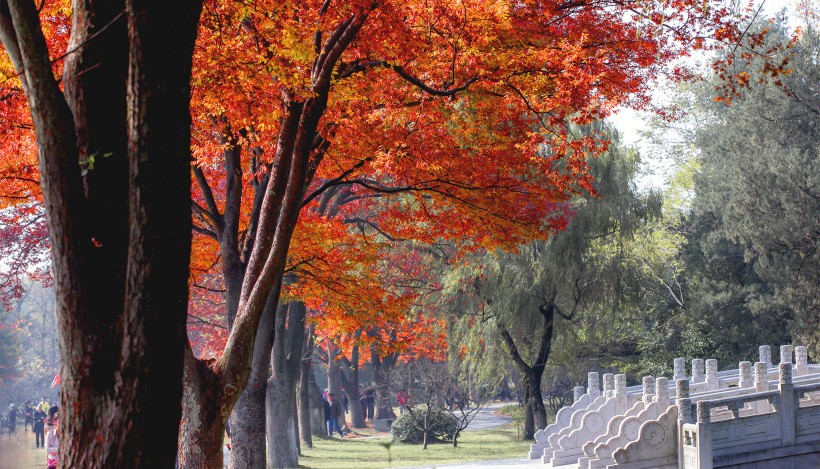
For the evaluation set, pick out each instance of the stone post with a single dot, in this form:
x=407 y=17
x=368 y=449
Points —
x=745 y=370
x=684 y=413
x=679 y=368
x=609 y=385
x=593 y=385
x=765 y=352
x=787 y=405
x=648 y=389
x=620 y=385
x=577 y=392
x=761 y=384
x=801 y=358
x=712 y=383
x=786 y=353
x=662 y=393
x=698 y=371
x=705 y=460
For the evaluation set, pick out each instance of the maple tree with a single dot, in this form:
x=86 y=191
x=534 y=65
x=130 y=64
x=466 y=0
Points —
x=451 y=118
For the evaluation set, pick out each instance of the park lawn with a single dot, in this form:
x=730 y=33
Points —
x=366 y=453
x=18 y=451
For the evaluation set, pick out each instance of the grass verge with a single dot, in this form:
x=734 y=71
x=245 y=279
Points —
x=378 y=452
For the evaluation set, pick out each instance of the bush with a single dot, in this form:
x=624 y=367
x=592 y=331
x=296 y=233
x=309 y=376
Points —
x=441 y=425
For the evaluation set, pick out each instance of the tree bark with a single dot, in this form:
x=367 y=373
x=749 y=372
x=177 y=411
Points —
x=248 y=418
x=382 y=368
x=282 y=423
x=351 y=387
x=303 y=391
x=535 y=414
x=114 y=160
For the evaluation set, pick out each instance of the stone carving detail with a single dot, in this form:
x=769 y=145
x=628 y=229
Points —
x=620 y=385
x=761 y=374
x=785 y=373
x=785 y=354
x=698 y=371
x=662 y=392
x=711 y=374
x=631 y=428
x=679 y=367
x=609 y=384
x=648 y=388
x=653 y=433
x=594 y=422
x=745 y=370
x=685 y=410
x=682 y=388
x=801 y=360
x=593 y=385
x=704 y=412
x=577 y=392
x=765 y=353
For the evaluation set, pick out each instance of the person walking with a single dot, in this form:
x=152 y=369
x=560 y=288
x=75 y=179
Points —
x=336 y=412
x=29 y=416
x=53 y=439
x=371 y=403
x=12 y=419
x=38 y=427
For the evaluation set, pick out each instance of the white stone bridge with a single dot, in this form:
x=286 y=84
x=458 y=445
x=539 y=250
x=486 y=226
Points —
x=752 y=417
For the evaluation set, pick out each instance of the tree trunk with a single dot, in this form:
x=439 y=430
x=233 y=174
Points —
x=317 y=410
x=535 y=414
x=114 y=160
x=303 y=391
x=248 y=418
x=351 y=387
x=286 y=357
x=281 y=435
x=203 y=427
x=382 y=369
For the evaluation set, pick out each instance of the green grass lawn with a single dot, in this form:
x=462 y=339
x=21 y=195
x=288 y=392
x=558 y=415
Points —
x=364 y=453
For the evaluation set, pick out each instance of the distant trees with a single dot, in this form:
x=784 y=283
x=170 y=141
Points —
x=514 y=307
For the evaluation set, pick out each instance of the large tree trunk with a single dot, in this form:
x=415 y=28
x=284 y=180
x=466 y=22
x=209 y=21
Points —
x=248 y=418
x=317 y=410
x=282 y=424
x=351 y=386
x=534 y=405
x=203 y=427
x=114 y=160
x=303 y=391
x=535 y=414
x=382 y=369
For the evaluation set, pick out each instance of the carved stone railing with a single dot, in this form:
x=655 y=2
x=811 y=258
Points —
x=574 y=436
x=790 y=428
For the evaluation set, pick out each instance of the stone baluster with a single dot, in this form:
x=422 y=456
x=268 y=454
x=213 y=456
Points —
x=698 y=371
x=801 y=358
x=593 y=385
x=684 y=411
x=712 y=382
x=787 y=405
x=648 y=389
x=662 y=393
x=786 y=353
x=761 y=384
x=704 y=443
x=679 y=368
x=745 y=370
x=609 y=385
x=577 y=392
x=620 y=385
x=765 y=352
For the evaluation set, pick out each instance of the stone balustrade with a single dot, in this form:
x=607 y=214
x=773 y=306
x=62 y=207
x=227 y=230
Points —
x=622 y=427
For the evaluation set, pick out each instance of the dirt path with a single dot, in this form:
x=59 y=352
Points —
x=18 y=451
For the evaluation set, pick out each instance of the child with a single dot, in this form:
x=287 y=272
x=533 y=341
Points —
x=53 y=438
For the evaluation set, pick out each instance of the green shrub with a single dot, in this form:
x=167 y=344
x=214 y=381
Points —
x=440 y=423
